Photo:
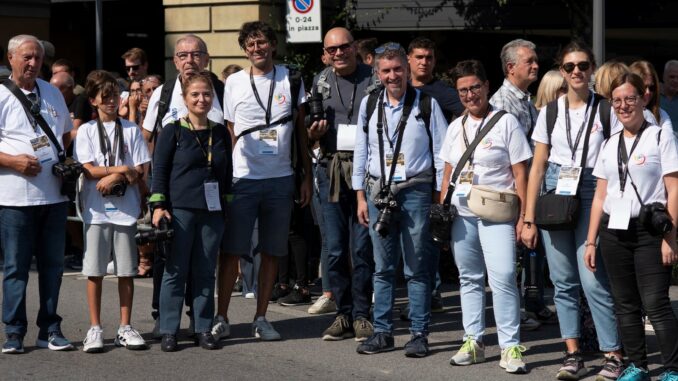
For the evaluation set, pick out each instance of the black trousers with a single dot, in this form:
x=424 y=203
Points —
x=639 y=281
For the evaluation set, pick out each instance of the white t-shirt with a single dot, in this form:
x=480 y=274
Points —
x=177 y=108
x=665 y=121
x=560 y=150
x=16 y=132
x=504 y=146
x=243 y=110
x=648 y=164
x=97 y=209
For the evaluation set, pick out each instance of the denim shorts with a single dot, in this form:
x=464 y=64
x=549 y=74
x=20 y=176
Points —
x=270 y=202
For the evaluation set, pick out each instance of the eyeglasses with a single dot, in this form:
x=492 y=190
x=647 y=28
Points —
x=473 y=89
x=387 y=46
x=631 y=100
x=569 y=66
x=262 y=43
x=185 y=55
x=332 y=50
x=132 y=67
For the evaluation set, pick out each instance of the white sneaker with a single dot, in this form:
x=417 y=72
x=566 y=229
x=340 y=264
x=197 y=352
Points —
x=220 y=328
x=648 y=325
x=262 y=329
x=129 y=338
x=322 y=306
x=471 y=352
x=512 y=359
x=249 y=295
x=94 y=342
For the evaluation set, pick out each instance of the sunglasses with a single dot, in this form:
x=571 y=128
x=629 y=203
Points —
x=132 y=67
x=387 y=46
x=569 y=67
x=333 y=49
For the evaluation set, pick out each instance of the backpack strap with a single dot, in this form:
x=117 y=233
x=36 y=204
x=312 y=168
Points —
x=372 y=100
x=163 y=107
x=604 y=110
x=425 y=114
x=551 y=116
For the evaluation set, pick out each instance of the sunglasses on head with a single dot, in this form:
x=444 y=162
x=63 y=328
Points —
x=132 y=67
x=569 y=67
x=387 y=46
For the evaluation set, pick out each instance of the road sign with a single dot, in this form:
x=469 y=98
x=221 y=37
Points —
x=303 y=21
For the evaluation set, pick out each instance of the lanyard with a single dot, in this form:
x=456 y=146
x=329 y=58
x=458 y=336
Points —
x=207 y=153
x=270 y=96
x=403 y=119
x=623 y=157
x=568 y=127
x=463 y=129
x=105 y=143
x=349 y=110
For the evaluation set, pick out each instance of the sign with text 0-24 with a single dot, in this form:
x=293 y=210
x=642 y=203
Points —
x=303 y=21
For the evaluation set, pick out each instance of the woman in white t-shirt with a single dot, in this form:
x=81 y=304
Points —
x=650 y=78
x=499 y=161
x=112 y=152
x=565 y=248
x=637 y=169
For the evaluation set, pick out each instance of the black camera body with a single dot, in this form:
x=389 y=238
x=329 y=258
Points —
x=118 y=190
x=655 y=218
x=68 y=171
x=316 y=110
x=158 y=235
x=388 y=208
x=440 y=224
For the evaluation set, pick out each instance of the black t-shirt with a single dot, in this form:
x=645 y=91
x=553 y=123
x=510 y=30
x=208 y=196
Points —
x=446 y=96
x=338 y=106
x=80 y=108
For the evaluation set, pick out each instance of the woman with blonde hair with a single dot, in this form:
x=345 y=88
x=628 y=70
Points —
x=552 y=86
x=607 y=73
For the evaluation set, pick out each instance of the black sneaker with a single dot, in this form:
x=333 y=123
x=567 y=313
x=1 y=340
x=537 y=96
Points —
x=237 y=287
x=298 y=296
x=339 y=330
x=417 y=346
x=279 y=292
x=169 y=343
x=379 y=342
x=544 y=316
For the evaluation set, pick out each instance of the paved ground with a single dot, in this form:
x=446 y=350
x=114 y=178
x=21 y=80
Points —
x=302 y=355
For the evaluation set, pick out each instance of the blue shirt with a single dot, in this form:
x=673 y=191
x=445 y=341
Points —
x=670 y=105
x=415 y=144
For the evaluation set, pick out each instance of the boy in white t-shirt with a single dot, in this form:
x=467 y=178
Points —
x=112 y=152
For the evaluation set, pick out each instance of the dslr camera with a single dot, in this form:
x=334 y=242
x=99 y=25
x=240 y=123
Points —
x=68 y=171
x=655 y=218
x=441 y=216
x=316 y=111
x=160 y=234
x=388 y=207
x=118 y=190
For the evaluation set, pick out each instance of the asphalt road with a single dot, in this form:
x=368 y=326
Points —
x=301 y=355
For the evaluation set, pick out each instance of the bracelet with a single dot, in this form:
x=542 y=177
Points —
x=587 y=243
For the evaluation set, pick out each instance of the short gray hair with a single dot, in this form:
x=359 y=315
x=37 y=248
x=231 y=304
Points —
x=21 y=39
x=389 y=51
x=509 y=53
x=187 y=37
x=669 y=64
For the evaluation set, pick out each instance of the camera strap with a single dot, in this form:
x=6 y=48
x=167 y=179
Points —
x=27 y=104
x=469 y=151
x=623 y=161
x=105 y=143
x=410 y=95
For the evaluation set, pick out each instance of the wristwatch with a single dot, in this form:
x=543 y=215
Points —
x=528 y=223
x=587 y=243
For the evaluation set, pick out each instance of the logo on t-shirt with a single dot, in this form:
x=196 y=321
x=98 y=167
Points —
x=638 y=158
x=280 y=98
x=596 y=127
x=486 y=143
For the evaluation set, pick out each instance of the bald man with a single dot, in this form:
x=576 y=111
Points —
x=342 y=86
x=78 y=105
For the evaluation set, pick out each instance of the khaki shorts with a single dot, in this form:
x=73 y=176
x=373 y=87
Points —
x=108 y=241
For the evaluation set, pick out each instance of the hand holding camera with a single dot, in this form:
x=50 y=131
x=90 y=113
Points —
x=159 y=214
x=111 y=185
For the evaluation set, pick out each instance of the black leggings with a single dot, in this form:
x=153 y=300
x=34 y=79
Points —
x=639 y=281
x=300 y=237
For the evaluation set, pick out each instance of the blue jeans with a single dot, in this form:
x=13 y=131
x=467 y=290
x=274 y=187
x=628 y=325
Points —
x=409 y=233
x=25 y=231
x=350 y=277
x=479 y=245
x=565 y=256
x=197 y=234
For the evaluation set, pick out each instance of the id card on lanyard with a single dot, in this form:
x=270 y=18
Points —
x=210 y=186
x=620 y=207
x=43 y=150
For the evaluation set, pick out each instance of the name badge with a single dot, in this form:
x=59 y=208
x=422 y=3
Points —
x=620 y=213
x=43 y=150
x=568 y=179
x=465 y=183
x=268 y=141
x=399 y=174
x=346 y=137
x=212 y=196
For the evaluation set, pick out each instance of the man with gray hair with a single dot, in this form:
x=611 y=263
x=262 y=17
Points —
x=32 y=210
x=669 y=91
x=396 y=174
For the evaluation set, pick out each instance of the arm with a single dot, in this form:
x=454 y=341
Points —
x=539 y=162
x=520 y=176
x=302 y=144
x=669 y=251
x=68 y=138
x=594 y=224
x=445 y=186
x=26 y=165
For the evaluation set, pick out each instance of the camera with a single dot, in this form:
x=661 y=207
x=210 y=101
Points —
x=441 y=217
x=160 y=234
x=655 y=218
x=118 y=190
x=68 y=171
x=387 y=208
x=316 y=111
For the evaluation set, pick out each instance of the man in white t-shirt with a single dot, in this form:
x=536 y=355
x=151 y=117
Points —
x=32 y=209
x=259 y=108
x=190 y=57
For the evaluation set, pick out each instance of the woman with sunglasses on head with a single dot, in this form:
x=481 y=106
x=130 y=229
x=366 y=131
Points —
x=578 y=127
x=635 y=212
x=652 y=112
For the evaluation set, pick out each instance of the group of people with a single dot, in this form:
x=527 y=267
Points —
x=398 y=167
